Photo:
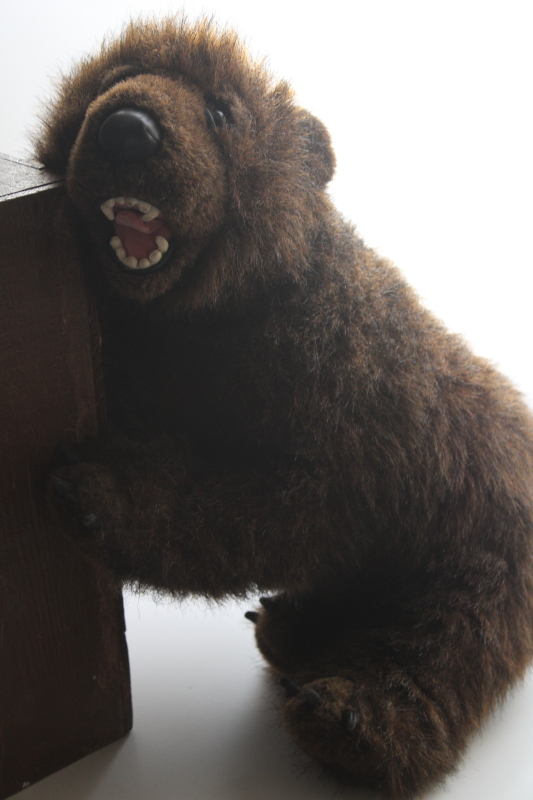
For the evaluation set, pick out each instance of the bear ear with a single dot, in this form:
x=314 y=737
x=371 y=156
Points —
x=322 y=160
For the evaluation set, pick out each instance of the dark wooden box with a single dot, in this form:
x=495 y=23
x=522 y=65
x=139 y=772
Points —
x=64 y=677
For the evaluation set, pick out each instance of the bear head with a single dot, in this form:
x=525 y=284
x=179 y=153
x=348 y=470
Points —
x=196 y=175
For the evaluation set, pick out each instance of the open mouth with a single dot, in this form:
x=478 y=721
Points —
x=142 y=240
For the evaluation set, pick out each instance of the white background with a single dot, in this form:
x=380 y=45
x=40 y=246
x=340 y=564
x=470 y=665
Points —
x=429 y=106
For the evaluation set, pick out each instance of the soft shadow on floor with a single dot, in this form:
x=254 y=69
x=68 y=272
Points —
x=80 y=780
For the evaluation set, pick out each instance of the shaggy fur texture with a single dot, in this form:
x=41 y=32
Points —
x=284 y=415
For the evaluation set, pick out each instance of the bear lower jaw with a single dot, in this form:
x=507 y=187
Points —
x=132 y=265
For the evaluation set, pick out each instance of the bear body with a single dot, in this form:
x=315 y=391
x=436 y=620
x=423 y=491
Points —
x=284 y=415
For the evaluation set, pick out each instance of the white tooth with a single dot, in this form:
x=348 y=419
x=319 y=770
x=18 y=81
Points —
x=121 y=253
x=155 y=256
x=110 y=214
x=116 y=242
x=120 y=201
x=131 y=201
x=109 y=203
x=131 y=261
x=152 y=214
x=144 y=207
x=162 y=243
x=143 y=263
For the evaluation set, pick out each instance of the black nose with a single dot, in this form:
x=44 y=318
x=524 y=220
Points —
x=129 y=135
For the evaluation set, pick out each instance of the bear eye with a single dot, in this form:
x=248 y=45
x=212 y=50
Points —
x=214 y=119
x=217 y=113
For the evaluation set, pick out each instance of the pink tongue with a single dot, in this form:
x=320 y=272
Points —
x=131 y=219
x=137 y=236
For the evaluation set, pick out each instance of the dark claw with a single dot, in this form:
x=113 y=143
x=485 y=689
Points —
x=312 y=698
x=70 y=454
x=253 y=616
x=90 y=522
x=269 y=604
x=349 y=720
x=61 y=487
x=290 y=687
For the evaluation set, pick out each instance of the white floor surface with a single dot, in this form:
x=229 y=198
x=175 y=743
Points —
x=206 y=726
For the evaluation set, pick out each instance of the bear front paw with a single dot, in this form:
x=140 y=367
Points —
x=89 y=500
x=328 y=720
x=369 y=729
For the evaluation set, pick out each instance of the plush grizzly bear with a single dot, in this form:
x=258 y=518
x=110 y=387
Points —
x=284 y=415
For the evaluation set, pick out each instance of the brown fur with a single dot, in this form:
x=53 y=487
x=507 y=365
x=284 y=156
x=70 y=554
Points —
x=285 y=416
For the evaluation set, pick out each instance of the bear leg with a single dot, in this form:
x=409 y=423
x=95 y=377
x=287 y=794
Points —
x=388 y=697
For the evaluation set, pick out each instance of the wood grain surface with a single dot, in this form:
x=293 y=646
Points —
x=64 y=678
